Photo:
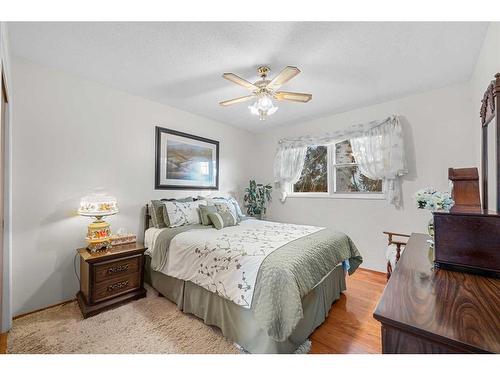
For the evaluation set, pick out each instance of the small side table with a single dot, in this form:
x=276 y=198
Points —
x=110 y=278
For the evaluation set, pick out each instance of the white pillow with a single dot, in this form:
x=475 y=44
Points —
x=183 y=213
x=237 y=206
x=234 y=207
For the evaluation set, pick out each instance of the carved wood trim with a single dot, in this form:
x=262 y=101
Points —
x=487 y=111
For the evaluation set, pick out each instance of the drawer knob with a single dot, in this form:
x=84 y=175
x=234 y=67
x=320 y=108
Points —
x=118 y=285
x=116 y=269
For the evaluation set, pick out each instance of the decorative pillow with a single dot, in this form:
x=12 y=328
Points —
x=156 y=212
x=226 y=207
x=237 y=207
x=183 y=213
x=187 y=199
x=223 y=219
x=223 y=205
x=229 y=200
x=204 y=211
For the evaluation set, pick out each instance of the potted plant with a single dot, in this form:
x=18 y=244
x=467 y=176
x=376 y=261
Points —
x=256 y=198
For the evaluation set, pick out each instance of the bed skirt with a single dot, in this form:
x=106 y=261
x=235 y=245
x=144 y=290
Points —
x=238 y=323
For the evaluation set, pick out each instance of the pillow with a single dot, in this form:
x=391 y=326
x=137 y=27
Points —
x=223 y=219
x=226 y=207
x=232 y=202
x=187 y=199
x=237 y=207
x=204 y=211
x=183 y=213
x=156 y=212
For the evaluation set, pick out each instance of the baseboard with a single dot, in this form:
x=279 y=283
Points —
x=372 y=271
x=43 y=308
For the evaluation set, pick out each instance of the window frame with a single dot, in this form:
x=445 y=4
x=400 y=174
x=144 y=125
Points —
x=332 y=181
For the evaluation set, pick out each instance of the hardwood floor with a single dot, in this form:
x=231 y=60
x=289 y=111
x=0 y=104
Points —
x=3 y=343
x=350 y=326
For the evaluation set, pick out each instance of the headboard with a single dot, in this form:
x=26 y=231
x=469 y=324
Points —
x=147 y=218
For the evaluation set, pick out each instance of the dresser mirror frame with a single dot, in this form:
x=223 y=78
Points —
x=490 y=122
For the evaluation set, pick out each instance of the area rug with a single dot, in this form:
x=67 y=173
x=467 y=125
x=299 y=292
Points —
x=149 y=325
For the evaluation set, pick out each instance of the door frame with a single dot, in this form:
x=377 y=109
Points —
x=6 y=293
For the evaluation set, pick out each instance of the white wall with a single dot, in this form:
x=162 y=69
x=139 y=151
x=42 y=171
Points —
x=439 y=134
x=488 y=64
x=6 y=322
x=73 y=135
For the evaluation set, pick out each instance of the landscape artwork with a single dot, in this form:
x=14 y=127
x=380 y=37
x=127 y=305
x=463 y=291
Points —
x=188 y=162
x=185 y=161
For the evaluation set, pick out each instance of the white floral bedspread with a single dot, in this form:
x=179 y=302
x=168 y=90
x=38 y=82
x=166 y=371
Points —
x=227 y=261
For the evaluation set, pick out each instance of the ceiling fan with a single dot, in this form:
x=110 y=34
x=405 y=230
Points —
x=264 y=91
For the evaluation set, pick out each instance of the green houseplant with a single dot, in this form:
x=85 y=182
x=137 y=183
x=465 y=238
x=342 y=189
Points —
x=256 y=198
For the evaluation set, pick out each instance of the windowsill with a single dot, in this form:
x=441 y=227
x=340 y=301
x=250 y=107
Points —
x=369 y=196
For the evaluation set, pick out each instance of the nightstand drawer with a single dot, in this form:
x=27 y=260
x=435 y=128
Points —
x=112 y=269
x=115 y=286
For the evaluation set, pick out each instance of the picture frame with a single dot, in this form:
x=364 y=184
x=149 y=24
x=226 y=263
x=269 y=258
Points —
x=185 y=161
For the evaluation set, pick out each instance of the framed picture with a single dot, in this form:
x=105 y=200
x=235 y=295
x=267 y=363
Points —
x=185 y=161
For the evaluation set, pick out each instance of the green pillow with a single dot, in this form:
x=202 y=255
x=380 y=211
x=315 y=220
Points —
x=223 y=219
x=204 y=211
x=157 y=208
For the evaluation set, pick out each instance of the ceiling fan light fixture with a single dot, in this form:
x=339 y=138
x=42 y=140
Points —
x=263 y=107
x=266 y=91
x=265 y=103
x=253 y=109
x=272 y=110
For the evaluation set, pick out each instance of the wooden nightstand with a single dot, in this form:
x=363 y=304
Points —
x=110 y=277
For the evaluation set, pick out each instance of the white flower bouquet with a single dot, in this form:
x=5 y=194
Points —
x=433 y=200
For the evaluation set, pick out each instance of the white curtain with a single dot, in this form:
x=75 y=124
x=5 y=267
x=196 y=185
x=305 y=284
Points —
x=288 y=165
x=377 y=147
x=379 y=153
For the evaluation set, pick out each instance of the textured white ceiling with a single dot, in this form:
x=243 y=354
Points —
x=344 y=65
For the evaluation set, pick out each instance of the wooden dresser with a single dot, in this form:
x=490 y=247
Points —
x=423 y=310
x=110 y=278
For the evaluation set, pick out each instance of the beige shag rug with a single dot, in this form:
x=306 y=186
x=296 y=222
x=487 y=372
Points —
x=149 y=325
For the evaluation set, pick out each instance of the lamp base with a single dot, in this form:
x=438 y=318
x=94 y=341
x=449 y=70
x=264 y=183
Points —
x=98 y=236
x=100 y=246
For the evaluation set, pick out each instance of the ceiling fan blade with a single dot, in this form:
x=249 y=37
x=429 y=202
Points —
x=283 y=77
x=293 y=96
x=239 y=81
x=236 y=100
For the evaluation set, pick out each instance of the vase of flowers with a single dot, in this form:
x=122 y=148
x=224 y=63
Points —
x=433 y=200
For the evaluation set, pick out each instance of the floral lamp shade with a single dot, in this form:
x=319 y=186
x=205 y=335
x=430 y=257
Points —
x=98 y=232
x=98 y=205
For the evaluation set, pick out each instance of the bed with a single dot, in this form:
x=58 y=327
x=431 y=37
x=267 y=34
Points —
x=265 y=301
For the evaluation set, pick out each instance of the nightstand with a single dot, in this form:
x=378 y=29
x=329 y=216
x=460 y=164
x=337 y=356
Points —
x=110 y=277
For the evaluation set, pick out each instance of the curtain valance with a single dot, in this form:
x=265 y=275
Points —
x=377 y=147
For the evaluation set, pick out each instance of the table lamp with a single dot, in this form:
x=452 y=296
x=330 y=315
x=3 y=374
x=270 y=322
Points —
x=98 y=233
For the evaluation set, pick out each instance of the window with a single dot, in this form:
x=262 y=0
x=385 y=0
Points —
x=314 y=177
x=332 y=170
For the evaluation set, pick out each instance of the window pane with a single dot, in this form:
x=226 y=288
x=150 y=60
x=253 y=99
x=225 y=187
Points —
x=343 y=153
x=350 y=179
x=315 y=173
